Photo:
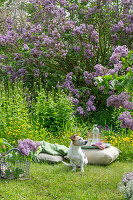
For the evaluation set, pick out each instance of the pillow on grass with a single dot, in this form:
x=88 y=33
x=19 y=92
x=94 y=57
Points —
x=101 y=157
x=49 y=158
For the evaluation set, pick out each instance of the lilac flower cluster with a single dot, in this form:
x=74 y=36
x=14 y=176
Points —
x=124 y=25
x=88 y=51
x=120 y=51
x=9 y=70
x=117 y=27
x=90 y=106
x=88 y=77
x=75 y=101
x=73 y=7
x=127 y=177
x=126 y=186
x=89 y=12
x=8 y=39
x=95 y=36
x=80 y=110
x=69 y=84
x=118 y=67
x=68 y=25
x=120 y=100
x=79 y=30
x=99 y=71
x=27 y=145
x=126 y=120
x=22 y=72
x=36 y=73
x=127 y=2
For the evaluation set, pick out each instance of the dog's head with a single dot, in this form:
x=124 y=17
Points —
x=77 y=140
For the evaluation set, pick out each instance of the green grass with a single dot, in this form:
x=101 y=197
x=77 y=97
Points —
x=59 y=182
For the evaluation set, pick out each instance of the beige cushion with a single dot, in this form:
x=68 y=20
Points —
x=101 y=157
x=49 y=158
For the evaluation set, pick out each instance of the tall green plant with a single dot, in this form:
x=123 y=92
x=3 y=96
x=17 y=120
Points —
x=14 y=112
x=53 y=111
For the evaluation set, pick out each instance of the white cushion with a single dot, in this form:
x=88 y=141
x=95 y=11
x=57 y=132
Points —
x=101 y=157
x=49 y=158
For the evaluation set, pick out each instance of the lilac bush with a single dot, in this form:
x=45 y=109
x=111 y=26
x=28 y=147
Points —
x=70 y=43
x=67 y=35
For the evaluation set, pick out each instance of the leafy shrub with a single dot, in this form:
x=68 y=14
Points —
x=119 y=85
x=53 y=111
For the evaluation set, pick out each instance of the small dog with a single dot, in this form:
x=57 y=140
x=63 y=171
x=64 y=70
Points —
x=75 y=153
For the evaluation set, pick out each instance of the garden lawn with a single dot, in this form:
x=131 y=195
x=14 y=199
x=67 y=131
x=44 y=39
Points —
x=59 y=182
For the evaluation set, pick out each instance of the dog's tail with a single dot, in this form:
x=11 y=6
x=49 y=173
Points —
x=69 y=165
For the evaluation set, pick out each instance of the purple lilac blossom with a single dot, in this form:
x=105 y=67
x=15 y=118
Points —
x=73 y=7
x=89 y=12
x=36 y=73
x=127 y=177
x=26 y=47
x=75 y=101
x=88 y=77
x=22 y=71
x=69 y=76
x=68 y=25
x=27 y=145
x=95 y=36
x=88 y=92
x=90 y=27
x=106 y=127
x=120 y=51
x=100 y=70
x=90 y=106
x=114 y=38
x=80 y=110
x=126 y=2
x=126 y=120
x=88 y=52
x=120 y=100
x=117 y=27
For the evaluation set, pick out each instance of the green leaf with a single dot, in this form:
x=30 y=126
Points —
x=123 y=60
x=113 y=83
x=1 y=140
x=99 y=78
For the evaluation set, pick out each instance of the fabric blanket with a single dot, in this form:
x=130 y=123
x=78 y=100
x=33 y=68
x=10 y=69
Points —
x=52 y=149
x=100 y=145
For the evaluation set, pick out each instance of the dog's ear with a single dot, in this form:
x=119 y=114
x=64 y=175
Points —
x=73 y=137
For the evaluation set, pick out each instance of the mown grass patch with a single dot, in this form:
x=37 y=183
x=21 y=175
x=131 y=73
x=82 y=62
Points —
x=59 y=182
